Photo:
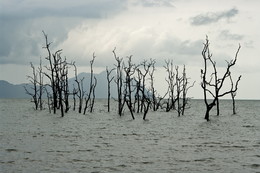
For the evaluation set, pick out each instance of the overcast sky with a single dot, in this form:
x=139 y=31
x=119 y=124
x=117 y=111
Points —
x=158 y=29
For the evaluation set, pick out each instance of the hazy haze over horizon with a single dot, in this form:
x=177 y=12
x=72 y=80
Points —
x=158 y=29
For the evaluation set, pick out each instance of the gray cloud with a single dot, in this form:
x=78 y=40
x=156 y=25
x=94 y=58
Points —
x=22 y=22
x=60 y=8
x=226 y=35
x=208 y=18
x=155 y=3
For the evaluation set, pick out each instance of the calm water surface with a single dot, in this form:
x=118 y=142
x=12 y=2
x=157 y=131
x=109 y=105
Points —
x=36 y=141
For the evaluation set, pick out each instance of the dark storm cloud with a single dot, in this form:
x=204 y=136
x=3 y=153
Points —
x=22 y=22
x=208 y=18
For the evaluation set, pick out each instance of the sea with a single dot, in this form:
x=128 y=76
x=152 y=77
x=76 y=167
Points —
x=100 y=142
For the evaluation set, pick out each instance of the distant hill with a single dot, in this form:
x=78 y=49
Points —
x=8 y=90
x=101 y=88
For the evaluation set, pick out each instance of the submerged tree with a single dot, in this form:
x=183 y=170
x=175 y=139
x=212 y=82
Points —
x=119 y=83
x=129 y=72
x=171 y=81
x=79 y=90
x=109 y=80
x=214 y=81
x=185 y=89
x=233 y=95
x=58 y=69
x=34 y=89
x=90 y=100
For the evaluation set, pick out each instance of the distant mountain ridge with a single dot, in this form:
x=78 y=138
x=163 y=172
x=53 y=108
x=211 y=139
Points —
x=8 y=90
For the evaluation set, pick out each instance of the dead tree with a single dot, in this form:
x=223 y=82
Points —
x=215 y=82
x=233 y=95
x=79 y=91
x=129 y=72
x=52 y=77
x=93 y=94
x=154 y=100
x=33 y=91
x=146 y=106
x=119 y=83
x=109 y=80
x=58 y=68
x=169 y=67
x=74 y=93
x=88 y=101
x=182 y=87
x=143 y=72
x=65 y=84
x=137 y=101
x=185 y=89
x=41 y=85
x=179 y=90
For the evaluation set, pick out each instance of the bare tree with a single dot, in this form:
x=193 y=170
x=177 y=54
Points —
x=109 y=80
x=179 y=90
x=138 y=81
x=185 y=90
x=215 y=82
x=182 y=88
x=51 y=77
x=58 y=68
x=89 y=101
x=33 y=91
x=93 y=94
x=129 y=72
x=143 y=73
x=154 y=99
x=119 y=82
x=79 y=91
x=169 y=67
x=146 y=106
x=41 y=85
x=233 y=95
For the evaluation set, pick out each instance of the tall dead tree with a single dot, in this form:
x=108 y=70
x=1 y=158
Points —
x=119 y=83
x=137 y=102
x=144 y=72
x=129 y=72
x=79 y=91
x=41 y=85
x=154 y=100
x=89 y=101
x=179 y=90
x=213 y=85
x=185 y=89
x=58 y=69
x=109 y=80
x=233 y=95
x=52 y=76
x=34 y=90
x=182 y=87
x=93 y=94
x=169 y=67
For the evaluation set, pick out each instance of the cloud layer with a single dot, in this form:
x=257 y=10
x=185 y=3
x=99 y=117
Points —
x=158 y=29
x=212 y=17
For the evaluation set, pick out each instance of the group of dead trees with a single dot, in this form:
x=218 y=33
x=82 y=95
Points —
x=134 y=85
x=57 y=86
x=136 y=91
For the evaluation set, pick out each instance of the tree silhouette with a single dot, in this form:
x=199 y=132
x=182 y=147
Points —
x=214 y=81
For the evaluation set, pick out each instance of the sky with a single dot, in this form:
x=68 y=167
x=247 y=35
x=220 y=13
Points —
x=157 y=29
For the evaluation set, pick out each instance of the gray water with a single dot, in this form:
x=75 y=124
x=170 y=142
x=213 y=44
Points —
x=36 y=141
